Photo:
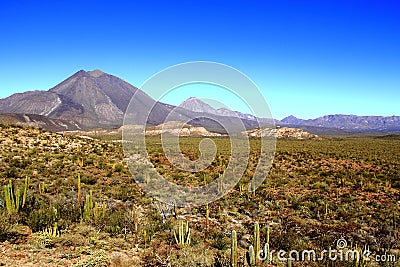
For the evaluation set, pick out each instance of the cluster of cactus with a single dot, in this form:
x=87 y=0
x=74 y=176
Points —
x=93 y=211
x=44 y=238
x=13 y=197
x=253 y=255
x=52 y=231
x=241 y=187
x=182 y=236
x=253 y=252
x=341 y=181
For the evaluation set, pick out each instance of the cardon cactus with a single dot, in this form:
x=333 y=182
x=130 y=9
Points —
x=183 y=236
x=234 y=249
x=251 y=257
x=256 y=241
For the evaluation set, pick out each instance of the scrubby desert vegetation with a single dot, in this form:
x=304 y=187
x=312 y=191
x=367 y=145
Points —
x=71 y=200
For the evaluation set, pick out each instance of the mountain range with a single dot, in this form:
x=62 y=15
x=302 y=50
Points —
x=347 y=123
x=197 y=105
x=94 y=99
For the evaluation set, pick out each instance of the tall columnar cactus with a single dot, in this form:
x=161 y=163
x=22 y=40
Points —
x=8 y=197
x=42 y=188
x=234 y=249
x=87 y=209
x=256 y=241
x=99 y=211
x=207 y=217
x=266 y=252
x=394 y=224
x=93 y=210
x=79 y=189
x=26 y=186
x=18 y=200
x=183 y=236
x=251 y=257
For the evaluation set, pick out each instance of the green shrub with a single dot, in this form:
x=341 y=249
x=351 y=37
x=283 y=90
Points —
x=41 y=219
x=193 y=257
x=114 y=222
x=88 y=179
x=6 y=225
x=68 y=210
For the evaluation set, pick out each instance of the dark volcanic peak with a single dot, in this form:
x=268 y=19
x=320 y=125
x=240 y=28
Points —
x=95 y=73
x=93 y=99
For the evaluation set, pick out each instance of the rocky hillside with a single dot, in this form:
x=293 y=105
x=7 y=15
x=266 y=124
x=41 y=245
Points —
x=283 y=133
x=39 y=121
x=177 y=129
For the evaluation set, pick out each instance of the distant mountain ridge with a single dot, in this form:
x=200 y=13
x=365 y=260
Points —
x=349 y=123
x=197 y=105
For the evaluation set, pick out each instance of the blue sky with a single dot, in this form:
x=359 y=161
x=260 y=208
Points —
x=310 y=58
